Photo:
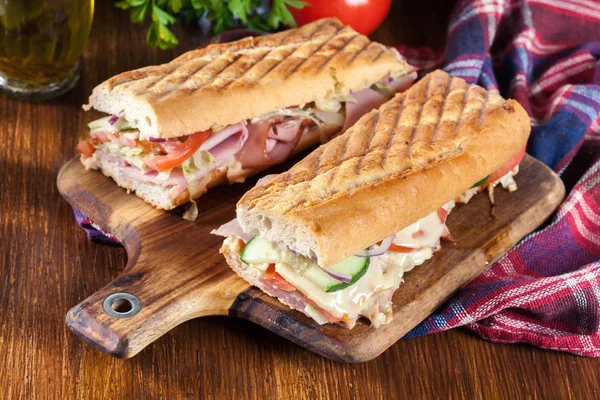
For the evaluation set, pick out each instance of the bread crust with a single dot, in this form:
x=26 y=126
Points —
x=420 y=150
x=232 y=82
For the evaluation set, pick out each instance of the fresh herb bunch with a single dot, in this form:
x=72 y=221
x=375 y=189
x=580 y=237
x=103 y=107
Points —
x=221 y=14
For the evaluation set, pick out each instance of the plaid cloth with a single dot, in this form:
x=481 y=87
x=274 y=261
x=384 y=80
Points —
x=545 y=291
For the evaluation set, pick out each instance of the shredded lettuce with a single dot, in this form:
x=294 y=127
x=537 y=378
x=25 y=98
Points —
x=163 y=176
x=383 y=89
x=192 y=211
x=331 y=105
x=203 y=158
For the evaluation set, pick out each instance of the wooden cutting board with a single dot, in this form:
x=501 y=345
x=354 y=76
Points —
x=175 y=272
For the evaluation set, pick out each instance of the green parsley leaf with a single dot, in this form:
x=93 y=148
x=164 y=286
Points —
x=138 y=13
x=238 y=9
x=221 y=14
x=176 y=5
x=161 y=16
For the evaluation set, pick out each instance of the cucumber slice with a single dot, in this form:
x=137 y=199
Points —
x=481 y=182
x=100 y=123
x=259 y=251
x=122 y=125
x=316 y=275
x=354 y=266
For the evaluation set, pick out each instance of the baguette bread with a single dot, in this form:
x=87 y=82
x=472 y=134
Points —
x=318 y=61
x=419 y=150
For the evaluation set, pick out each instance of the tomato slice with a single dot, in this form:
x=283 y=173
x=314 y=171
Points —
x=179 y=153
x=86 y=148
x=274 y=278
x=400 y=249
x=442 y=214
x=508 y=166
x=330 y=317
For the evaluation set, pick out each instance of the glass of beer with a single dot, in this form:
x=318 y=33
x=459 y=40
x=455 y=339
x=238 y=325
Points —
x=41 y=42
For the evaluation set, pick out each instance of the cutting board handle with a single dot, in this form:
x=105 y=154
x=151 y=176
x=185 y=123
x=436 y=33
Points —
x=148 y=300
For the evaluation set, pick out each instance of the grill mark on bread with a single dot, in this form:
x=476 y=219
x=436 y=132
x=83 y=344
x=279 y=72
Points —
x=311 y=38
x=462 y=110
x=136 y=75
x=340 y=160
x=248 y=69
x=173 y=71
x=212 y=78
x=295 y=46
x=359 y=52
x=483 y=104
x=304 y=59
x=443 y=106
x=378 y=55
x=368 y=144
x=393 y=130
x=419 y=117
x=338 y=51
x=320 y=151
x=165 y=95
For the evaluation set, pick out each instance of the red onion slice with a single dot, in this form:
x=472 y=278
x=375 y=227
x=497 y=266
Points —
x=157 y=140
x=113 y=120
x=379 y=250
x=340 y=277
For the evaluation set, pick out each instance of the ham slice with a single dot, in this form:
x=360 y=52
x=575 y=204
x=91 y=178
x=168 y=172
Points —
x=227 y=142
x=232 y=228
x=366 y=100
x=270 y=142
x=222 y=144
x=175 y=178
x=369 y=99
x=403 y=83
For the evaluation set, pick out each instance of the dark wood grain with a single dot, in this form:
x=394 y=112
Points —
x=47 y=266
x=176 y=272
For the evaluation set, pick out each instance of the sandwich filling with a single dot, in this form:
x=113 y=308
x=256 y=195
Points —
x=360 y=286
x=180 y=164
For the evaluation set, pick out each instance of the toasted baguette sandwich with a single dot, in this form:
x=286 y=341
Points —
x=333 y=236
x=226 y=111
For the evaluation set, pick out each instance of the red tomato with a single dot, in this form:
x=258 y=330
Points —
x=85 y=148
x=508 y=166
x=274 y=278
x=362 y=15
x=179 y=154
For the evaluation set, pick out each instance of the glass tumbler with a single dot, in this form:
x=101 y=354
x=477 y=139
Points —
x=41 y=42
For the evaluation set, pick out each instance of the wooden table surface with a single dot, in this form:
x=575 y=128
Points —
x=47 y=266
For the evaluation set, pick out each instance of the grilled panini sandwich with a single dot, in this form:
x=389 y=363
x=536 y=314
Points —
x=333 y=236
x=226 y=111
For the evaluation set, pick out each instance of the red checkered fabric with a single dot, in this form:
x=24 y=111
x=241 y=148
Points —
x=544 y=53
